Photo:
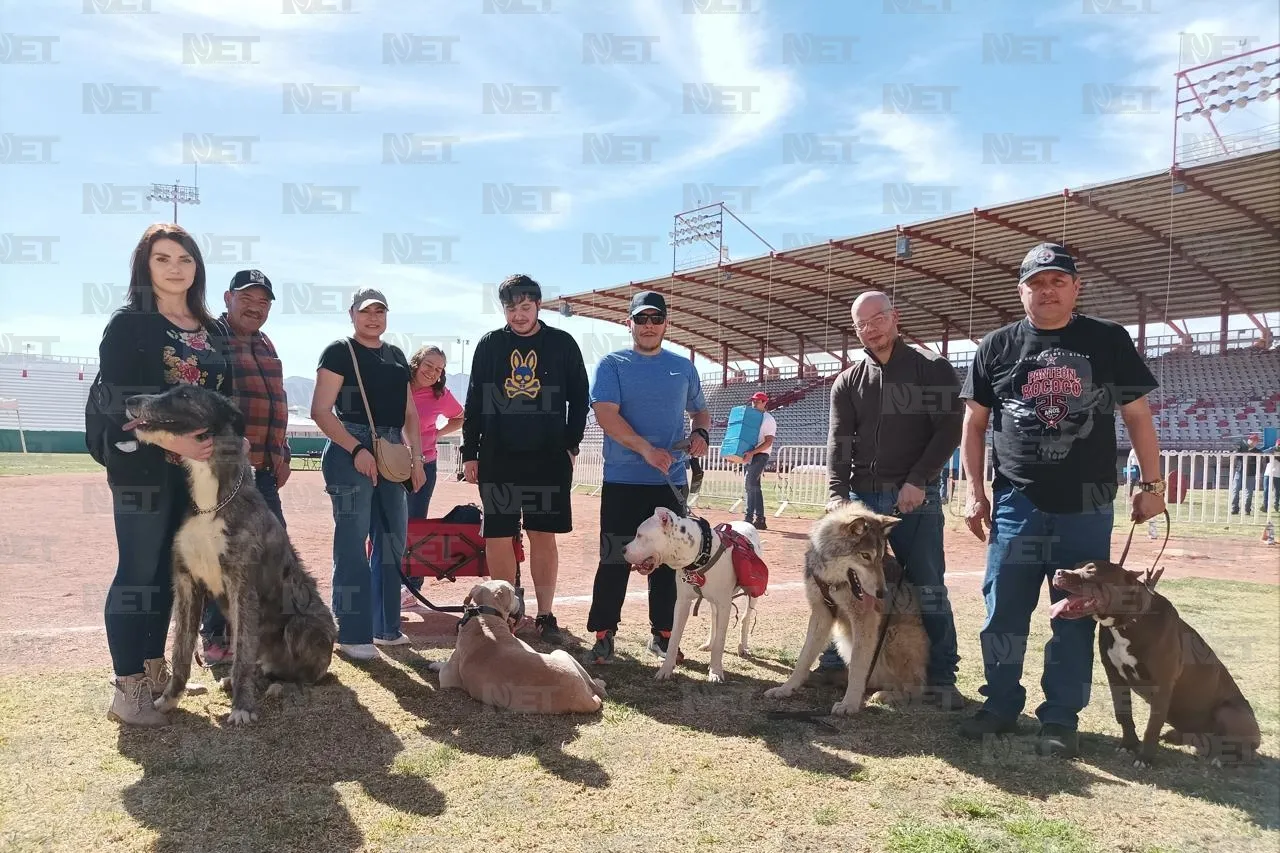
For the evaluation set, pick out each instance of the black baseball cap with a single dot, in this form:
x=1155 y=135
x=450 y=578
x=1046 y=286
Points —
x=1047 y=256
x=648 y=300
x=251 y=278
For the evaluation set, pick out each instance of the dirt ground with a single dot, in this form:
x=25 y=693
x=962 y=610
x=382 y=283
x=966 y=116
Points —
x=58 y=554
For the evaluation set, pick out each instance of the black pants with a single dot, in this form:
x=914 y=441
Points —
x=140 y=598
x=623 y=507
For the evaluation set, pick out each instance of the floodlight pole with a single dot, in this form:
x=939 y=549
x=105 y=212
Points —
x=176 y=193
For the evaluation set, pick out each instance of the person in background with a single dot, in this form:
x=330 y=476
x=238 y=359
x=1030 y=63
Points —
x=261 y=398
x=163 y=337
x=433 y=401
x=1131 y=469
x=366 y=583
x=1244 y=470
x=1271 y=480
x=756 y=459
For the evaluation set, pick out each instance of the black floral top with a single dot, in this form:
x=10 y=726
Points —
x=144 y=353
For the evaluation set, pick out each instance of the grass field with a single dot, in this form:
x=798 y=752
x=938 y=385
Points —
x=379 y=759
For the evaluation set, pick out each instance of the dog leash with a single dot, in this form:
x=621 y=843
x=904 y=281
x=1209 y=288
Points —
x=1125 y=553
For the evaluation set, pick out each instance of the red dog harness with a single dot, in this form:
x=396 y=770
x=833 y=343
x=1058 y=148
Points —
x=750 y=572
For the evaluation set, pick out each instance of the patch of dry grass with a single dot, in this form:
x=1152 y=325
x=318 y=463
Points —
x=379 y=759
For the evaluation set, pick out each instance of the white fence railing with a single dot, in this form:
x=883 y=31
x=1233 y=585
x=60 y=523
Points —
x=1203 y=491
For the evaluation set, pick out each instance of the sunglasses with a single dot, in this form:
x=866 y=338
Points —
x=645 y=319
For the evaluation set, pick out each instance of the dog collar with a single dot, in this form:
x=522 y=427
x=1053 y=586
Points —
x=704 y=549
x=473 y=610
x=228 y=499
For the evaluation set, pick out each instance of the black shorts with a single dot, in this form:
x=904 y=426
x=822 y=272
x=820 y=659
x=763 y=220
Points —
x=536 y=488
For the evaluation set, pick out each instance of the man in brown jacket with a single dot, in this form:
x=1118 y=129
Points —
x=895 y=421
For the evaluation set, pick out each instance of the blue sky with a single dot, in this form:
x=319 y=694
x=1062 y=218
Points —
x=431 y=148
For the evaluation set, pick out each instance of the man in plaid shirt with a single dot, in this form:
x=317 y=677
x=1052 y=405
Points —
x=260 y=395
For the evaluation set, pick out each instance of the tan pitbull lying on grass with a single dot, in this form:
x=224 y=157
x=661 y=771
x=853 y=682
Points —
x=498 y=668
x=1145 y=646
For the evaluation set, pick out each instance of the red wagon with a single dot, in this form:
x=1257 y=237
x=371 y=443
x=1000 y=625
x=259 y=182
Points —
x=445 y=549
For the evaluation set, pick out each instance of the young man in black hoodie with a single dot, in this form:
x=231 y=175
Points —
x=525 y=414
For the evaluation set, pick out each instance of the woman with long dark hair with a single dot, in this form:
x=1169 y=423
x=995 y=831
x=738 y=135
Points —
x=162 y=337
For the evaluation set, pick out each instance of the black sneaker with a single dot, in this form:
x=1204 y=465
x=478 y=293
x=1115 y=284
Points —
x=759 y=524
x=602 y=652
x=943 y=697
x=659 y=643
x=1058 y=740
x=549 y=629
x=986 y=723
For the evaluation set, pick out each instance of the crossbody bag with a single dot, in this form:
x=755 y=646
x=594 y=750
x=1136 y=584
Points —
x=395 y=461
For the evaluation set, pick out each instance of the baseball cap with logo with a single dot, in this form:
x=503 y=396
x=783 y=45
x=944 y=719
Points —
x=246 y=279
x=366 y=296
x=760 y=396
x=1046 y=256
x=648 y=300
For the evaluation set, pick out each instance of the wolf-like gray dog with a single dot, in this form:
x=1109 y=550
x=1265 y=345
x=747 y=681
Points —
x=230 y=546
x=848 y=579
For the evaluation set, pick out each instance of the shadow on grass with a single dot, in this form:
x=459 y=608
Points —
x=269 y=785
x=1012 y=763
x=453 y=718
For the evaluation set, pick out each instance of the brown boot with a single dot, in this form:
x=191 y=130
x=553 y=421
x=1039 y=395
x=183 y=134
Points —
x=132 y=703
x=158 y=672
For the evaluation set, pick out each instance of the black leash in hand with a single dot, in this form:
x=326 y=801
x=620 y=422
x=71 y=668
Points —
x=1124 y=554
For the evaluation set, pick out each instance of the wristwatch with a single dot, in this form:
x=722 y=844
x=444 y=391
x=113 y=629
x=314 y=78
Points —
x=1157 y=487
x=702 y=432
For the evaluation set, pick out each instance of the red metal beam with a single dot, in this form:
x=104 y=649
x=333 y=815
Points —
x=826 y=326
x=1227 y=293
x=590 y=304
x=1250 y=214
x=709 y=321
x=1009 y=270
x=1115 y=280
x=847 y=245
x=946 y=321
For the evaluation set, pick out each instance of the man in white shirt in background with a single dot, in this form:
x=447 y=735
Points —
x=755 y=461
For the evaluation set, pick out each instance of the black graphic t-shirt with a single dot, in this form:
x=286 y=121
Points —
x=1054 y=396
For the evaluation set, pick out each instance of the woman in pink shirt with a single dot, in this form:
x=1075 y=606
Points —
x=426 y=372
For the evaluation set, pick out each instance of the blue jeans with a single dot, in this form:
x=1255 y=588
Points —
x=418 y=505
x=1026 y=547
x=140 y=598
x=1238 y=480
x=366 y=587
x=214 y=629
x=755 y=494
x=917 y=545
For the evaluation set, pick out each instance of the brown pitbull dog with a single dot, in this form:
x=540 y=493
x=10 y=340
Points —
x=1145 y=646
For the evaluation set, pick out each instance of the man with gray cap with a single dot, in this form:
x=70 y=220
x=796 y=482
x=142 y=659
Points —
x=259 y=393
x=641 y=396
x=1054 y=381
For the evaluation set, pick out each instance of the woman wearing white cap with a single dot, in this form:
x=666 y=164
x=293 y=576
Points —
x=366 y=504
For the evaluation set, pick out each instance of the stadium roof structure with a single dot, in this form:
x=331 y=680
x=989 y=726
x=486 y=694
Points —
x=1184 y=242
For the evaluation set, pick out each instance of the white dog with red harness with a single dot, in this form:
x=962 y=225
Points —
x=715 y=564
